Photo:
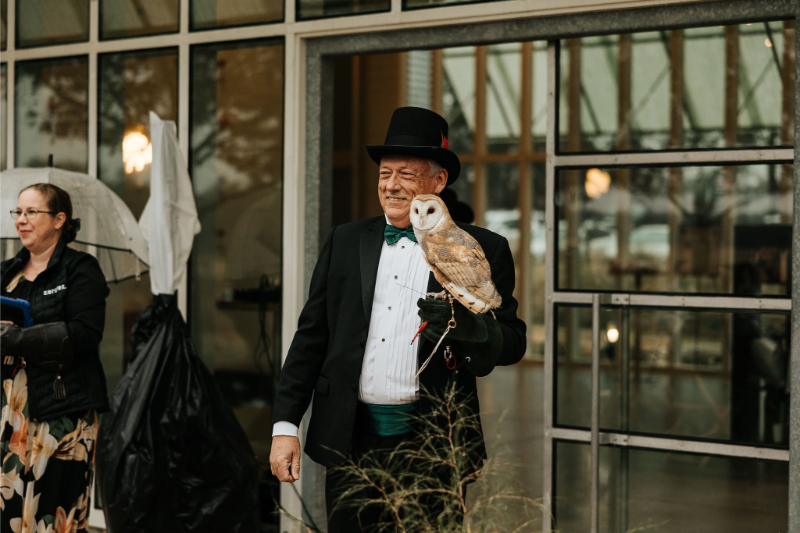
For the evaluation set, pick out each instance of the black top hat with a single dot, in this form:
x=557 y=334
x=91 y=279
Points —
x=419 y=132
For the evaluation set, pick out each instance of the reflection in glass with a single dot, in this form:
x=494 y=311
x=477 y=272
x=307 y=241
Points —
x=689 y=373
x=459 y=96
x=691 y=229
x=459 y=195
x=128 y=18
x=464 y=184
x=311 y=9
x=503 y=86
x=3 y=115
x=502 y=204
x=130 y=86
x=43 y=22
x=236 y=166
x=51 y=113
x=539 y=97
x=538 y=264
x=220 y=13
x=659 y=90
x=669 y=491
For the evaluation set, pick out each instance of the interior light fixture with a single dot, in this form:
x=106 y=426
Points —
x=767 y=43
x=612 y=333
x=597 y=182
x=137 y=152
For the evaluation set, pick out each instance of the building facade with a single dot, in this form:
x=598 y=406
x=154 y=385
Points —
x=638 y=155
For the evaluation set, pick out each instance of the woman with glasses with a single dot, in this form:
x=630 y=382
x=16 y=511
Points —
x=53 y=381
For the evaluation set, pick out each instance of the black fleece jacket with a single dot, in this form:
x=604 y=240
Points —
x=72 y=289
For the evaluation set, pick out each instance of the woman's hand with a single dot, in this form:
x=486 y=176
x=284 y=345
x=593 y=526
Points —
x=7 y=322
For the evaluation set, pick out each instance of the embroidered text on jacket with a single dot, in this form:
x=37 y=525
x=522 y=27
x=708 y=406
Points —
x=48 y=292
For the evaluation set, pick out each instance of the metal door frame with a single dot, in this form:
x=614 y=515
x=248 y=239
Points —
x=594 y=436
x=318 y=159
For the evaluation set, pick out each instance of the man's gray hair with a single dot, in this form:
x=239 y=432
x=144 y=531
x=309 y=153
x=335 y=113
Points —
x=434 y=168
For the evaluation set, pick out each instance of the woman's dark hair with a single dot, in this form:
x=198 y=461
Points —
x=58 y=201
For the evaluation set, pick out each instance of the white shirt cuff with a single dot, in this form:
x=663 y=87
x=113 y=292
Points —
x=284 y=429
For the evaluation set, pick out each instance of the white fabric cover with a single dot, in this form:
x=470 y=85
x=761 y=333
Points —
x=169 y=221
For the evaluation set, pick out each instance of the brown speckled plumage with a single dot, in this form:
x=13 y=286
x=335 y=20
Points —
x=455 y=257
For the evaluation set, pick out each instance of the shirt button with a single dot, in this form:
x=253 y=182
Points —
x=395 y=277
x=403 y=247
x=383 y=340
x=390 y=308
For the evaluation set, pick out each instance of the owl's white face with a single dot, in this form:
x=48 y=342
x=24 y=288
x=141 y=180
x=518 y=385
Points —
x=426 y=212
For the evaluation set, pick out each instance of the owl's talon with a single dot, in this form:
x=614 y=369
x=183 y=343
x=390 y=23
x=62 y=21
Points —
x=437 y=295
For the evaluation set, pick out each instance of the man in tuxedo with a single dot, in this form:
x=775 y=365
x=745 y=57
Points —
x=351 y=351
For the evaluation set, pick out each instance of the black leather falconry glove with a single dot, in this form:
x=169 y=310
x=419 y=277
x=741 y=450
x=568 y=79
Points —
x=477 y=337
x=45 y=345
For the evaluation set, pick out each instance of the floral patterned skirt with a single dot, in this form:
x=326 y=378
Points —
x=47 y=466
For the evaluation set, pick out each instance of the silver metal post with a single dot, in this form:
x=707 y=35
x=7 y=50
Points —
x=794 y=365
x=625 y=358
x=549 y=309
x=595 y=444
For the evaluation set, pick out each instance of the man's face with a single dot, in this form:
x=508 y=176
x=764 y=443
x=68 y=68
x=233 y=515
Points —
x=402 y=178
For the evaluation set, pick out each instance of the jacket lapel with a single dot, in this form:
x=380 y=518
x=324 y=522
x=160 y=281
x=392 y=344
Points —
x=433 y=285
x=370 y=256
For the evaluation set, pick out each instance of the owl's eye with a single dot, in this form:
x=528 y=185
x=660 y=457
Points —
x=416 y=211
x=430 y=210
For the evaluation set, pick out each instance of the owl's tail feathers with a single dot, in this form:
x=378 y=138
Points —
x=479 y=300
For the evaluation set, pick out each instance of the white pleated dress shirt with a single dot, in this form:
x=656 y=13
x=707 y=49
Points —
x=390 y=360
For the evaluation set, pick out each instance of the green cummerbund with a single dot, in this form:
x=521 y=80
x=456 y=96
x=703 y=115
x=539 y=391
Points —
x=386 y=420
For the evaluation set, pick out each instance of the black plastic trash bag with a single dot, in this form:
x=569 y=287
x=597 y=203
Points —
x=171 y=455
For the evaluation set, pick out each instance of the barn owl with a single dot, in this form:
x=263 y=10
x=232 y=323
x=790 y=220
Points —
x=455 y=257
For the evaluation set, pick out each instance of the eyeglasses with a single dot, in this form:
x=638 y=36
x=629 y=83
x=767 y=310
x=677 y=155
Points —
x=30 y=214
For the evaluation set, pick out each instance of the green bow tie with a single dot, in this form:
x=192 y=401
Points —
x=392 y=234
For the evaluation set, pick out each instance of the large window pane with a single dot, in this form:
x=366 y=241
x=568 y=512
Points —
x=539 y=97
x=236 y=160
x=458 y=96
x=462 y=189
x=51 y=113
x=691 y=229
x=669 y=491
x=502 y=202
x=697 y=374
x=207 y=14
x=131 y=85
x=128 y=18
x=674 y=89
x=503 y=91
x=538 y=264
x=43 y=22
x=310 y=9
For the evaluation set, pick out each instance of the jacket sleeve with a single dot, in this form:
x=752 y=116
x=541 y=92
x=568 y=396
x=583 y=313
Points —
x=308 y=349
x=85 y=307
x=513 y=328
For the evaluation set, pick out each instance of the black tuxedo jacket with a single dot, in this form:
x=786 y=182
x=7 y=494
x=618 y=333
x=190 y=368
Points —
x=326 y=354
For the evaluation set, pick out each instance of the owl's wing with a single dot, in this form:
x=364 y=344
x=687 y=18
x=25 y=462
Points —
x=461 y=267
x=464 y=267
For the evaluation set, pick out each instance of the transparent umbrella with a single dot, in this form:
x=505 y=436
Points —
x=108 y=231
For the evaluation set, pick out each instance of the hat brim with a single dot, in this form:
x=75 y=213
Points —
x=447 y=159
